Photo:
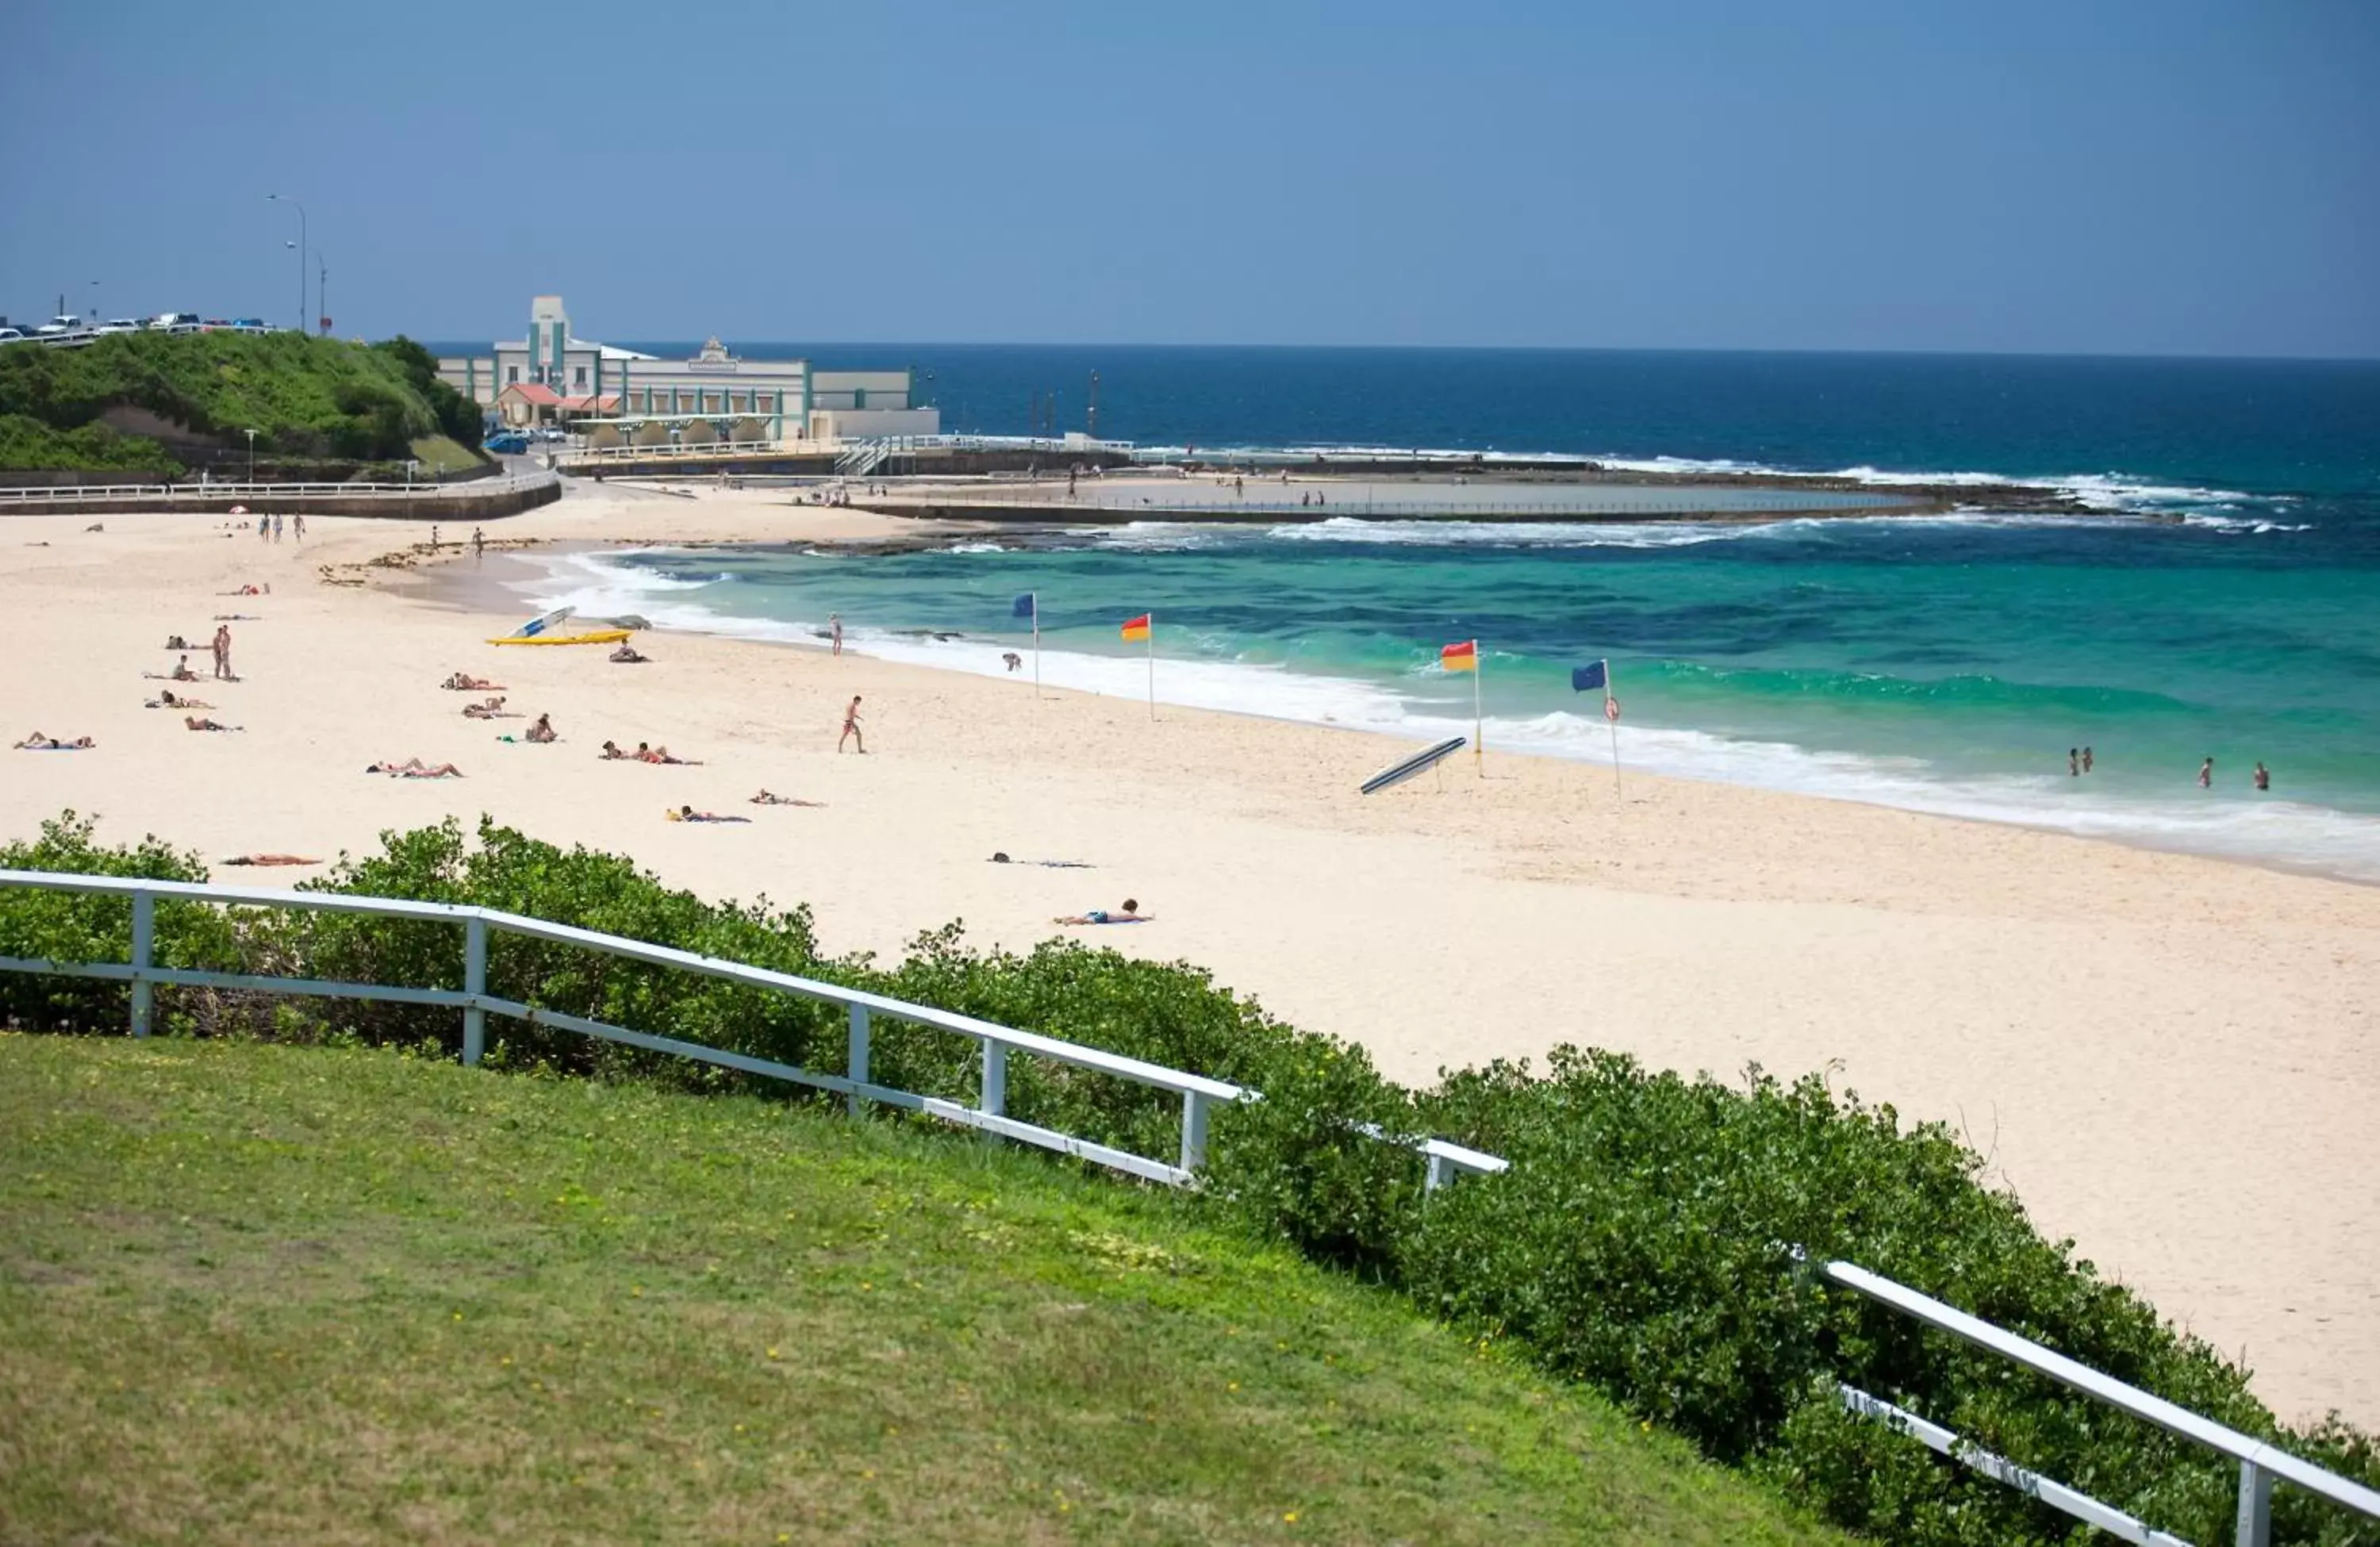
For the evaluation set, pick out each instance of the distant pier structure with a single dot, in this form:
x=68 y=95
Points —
x=618 y=397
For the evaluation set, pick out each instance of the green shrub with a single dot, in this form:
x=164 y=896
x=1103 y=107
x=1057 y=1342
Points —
x=90 y=927
x=27 y=444
x=306 y=397
x=1650 y=1238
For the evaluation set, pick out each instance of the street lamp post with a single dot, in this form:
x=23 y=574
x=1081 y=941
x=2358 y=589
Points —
x=321 y=293
x=251 y=455
x=95 y=318
x=281 y=198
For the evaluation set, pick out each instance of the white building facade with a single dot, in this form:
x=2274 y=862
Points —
x=644 y=397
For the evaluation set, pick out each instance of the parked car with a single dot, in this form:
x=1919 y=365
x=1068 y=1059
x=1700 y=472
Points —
x=11 y=336
x=509 y=445
x=57 y=325
x=166 y=322
x=253 y=323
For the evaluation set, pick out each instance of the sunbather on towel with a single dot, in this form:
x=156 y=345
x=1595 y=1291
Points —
x=687 y=813
x=414 y=768
x=765 y=798
x=37 y=742
x=199 y=722
x=1129 y=914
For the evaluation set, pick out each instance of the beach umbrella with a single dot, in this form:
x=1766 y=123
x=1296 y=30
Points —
x=239 y=510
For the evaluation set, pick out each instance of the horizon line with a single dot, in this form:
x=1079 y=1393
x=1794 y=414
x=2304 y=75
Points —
x=626 y=341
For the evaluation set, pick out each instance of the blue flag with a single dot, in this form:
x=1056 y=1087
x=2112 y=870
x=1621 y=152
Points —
x=1583 y=678
x=1025 y=605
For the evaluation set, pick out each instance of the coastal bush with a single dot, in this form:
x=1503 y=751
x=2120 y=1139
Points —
x=27 y=443
x=306 y=397
x=1656 y=1235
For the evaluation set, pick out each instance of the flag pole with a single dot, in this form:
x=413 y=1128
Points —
x=1478 y=722
x=1152 y=666
x=1610 y=699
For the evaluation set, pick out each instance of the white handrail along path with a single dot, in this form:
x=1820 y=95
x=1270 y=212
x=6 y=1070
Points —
x=2260 y=1464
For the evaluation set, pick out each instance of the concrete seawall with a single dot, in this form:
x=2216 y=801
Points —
x=470 y=502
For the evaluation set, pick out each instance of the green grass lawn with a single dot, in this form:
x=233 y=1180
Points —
x=253 y=1294
x=438 y=453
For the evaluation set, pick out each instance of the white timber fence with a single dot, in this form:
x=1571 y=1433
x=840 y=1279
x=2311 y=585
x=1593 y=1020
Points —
x=2261 y=1466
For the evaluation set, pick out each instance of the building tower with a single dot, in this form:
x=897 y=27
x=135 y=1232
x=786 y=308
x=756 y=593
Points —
x=549 y=341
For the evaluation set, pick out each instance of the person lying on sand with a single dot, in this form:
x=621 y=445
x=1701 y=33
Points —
x=464 y=682
x=765 y=798
x=626 y=655
x=492 y=709
x=266 y=859
x=37 y=742
x=176 y=641
x=198 y=722
x=1128 y=914
x=168 y=698
x=542 y=730
x=414 y=768
x=611 y=753
x=249 y=590
x=999 y=856
x=661 y=754
x=687 y=813
x=238 y=617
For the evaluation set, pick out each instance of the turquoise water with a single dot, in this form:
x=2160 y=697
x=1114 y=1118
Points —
x=2226 y=604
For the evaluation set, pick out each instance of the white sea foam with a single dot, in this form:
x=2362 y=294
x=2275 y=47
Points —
x=2310 y=837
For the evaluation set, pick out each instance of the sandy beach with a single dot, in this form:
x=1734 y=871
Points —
x=2173 y=1059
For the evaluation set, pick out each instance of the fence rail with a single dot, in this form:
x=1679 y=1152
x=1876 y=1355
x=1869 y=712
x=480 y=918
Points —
x=2261 y=1466
x=218 y=489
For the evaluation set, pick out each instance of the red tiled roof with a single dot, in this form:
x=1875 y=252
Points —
x=535 y=392
x=604 y=404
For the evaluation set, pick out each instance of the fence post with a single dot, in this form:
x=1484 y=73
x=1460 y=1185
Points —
x=144 y=930
x=475 y=982
x=995 y=1078
x=858 y=1065
x=2255 y=1507
x=1193 y=1129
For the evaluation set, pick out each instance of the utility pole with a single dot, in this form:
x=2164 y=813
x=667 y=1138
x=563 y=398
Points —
x=280 y=198
x=1091 y=420
x=323 y=292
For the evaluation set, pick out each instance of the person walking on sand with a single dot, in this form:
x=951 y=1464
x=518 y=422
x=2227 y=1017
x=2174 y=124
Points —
x=2262 y=779
x=478 y=543
x=851 y=727
x=433 y=537
x=2206 y=774
x=298 y=527
x=276 y=527
x=835 y=632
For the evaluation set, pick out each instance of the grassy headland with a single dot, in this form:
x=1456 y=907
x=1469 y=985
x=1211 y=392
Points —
x=309 y=399
x=333 y=1295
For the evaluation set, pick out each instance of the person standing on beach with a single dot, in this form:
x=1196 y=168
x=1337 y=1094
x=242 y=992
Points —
x=276 y=528
x=834 y=631
x=2073 y=762
x=2086 y=760
x=298 y=525
x=223 y=651
x=2264 y=780
x=851 y=727
x=478 y=543
x=2206 y=774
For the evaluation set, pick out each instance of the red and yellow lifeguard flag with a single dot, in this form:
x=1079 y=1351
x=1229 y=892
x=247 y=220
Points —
x=1463 y=657
x=1135 y=628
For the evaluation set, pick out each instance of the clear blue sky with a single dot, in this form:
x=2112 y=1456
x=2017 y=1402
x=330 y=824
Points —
x=2055 y=176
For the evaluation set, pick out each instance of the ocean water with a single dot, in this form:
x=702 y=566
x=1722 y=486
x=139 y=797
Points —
x=2223 y=601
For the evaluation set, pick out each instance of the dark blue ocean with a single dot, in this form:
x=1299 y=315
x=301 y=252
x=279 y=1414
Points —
x=2223 y=600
